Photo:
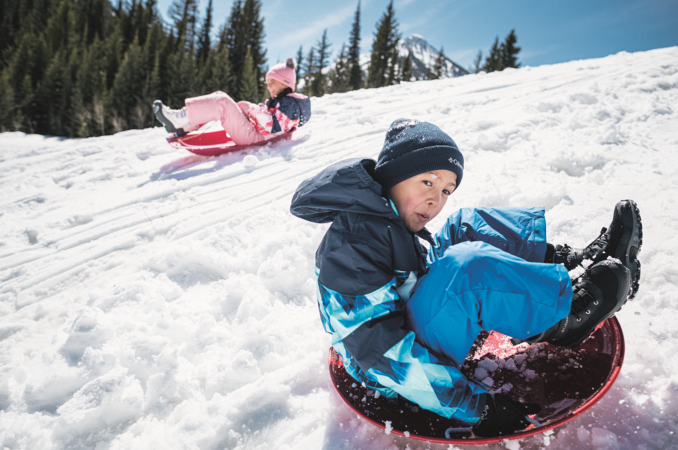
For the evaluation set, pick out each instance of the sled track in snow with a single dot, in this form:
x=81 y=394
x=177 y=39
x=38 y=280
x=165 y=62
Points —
x=150 y=297
x=221 y=195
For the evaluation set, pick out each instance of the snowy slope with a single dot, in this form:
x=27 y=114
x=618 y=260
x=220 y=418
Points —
x=150 y=299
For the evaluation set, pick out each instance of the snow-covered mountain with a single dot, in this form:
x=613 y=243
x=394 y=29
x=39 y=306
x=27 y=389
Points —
x=424 y=58
x=155 y=299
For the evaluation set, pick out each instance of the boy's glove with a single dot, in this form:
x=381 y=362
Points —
x=503 y=416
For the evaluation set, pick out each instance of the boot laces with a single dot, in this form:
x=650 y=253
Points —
x=582 y=302
x=175 y=113
x=598 y=246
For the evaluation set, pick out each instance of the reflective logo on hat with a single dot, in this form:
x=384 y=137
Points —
x=456 y=163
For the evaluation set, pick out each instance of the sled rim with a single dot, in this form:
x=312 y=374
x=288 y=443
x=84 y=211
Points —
x=618 y=359
x=224 y=145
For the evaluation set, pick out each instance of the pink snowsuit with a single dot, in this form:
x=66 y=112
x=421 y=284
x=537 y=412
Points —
x=246 y=122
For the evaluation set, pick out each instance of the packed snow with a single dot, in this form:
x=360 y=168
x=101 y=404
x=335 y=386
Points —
x=154 y=299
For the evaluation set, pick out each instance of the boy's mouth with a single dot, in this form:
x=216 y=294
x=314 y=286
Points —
x=422 y=217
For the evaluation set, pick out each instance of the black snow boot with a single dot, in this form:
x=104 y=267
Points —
x=598 y=296
x=622 y=240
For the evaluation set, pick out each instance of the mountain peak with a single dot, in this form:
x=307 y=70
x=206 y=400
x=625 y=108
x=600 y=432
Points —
x=424 y=57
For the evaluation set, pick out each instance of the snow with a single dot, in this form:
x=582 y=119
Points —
x=424 y=56
x=150 y=298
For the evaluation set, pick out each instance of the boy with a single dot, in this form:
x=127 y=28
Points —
x=404 y=318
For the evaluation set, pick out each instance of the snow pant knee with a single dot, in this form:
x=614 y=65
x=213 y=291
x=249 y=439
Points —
x=475 y=286
x=220 y=106
x=518 y=231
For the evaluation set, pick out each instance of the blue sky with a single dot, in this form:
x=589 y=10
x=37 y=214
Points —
x=549 y=31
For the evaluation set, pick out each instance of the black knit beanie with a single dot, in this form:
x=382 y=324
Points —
x=412 y=147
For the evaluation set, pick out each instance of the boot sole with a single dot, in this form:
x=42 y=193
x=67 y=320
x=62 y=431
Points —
x=630 y=242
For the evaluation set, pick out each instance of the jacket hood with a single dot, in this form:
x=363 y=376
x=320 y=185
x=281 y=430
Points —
x=346 y=186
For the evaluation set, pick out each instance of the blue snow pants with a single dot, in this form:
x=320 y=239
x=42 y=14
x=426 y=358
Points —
x=487 y=272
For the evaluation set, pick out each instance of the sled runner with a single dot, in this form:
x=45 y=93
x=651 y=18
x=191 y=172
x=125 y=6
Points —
x=566 y=382
x=216 y=143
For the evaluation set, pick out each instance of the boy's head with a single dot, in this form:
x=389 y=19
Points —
x=421 y=166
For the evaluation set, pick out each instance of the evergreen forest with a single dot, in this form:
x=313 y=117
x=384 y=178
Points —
x=91 y=67
x=82 y=68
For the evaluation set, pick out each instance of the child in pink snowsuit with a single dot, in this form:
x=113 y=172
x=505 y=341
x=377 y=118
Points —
x=246 y=123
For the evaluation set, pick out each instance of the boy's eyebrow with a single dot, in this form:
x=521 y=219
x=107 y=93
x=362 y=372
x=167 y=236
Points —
x=453 y=183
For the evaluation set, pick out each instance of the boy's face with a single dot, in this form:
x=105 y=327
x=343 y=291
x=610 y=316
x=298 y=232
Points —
x=420 y=198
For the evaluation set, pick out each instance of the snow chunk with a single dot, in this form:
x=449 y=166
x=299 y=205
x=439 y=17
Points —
x=604 y=439
x=250 y=161
x=388 y=428
x=488 y=381
x=512 y=445
x=488 y=365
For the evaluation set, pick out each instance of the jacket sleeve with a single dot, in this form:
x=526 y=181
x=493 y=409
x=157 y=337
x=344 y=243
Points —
x=282 y=117
x=369 y=331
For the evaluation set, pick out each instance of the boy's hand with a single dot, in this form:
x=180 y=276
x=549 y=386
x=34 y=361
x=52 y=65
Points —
x=503 y=416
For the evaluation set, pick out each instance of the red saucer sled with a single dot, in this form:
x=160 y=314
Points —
x=216 y=143
x=566 y=382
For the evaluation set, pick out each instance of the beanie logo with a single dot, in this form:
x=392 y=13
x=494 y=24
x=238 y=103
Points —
x=456 y=163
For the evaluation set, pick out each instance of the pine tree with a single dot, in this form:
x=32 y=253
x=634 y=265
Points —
x=341 y=73
x=309 y=73
x=126 y=92
x=204 y=43
x=93 y=17
x=394 y=76
x=74 y=109
x=245 y=34
x=222 y=74
x=184 y=14
x=478 y=63
x=440 y=66
x=494 y=61
x=60 y=30
x=255 y=40
x=233 y=37
x=319 y=85
x=385 y=39
x=163 y=71
x=356 y=80
x=406 y=69
x=248 y=81
x=151 y=48
x=509 y=51
x=182 y=78
x=90 y=86
x=300 y=61
x=48 y=98
x=88 y=67
x=6 y=103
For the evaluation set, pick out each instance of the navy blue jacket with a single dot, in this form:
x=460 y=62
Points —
x=367 y=266
x=279 y=114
